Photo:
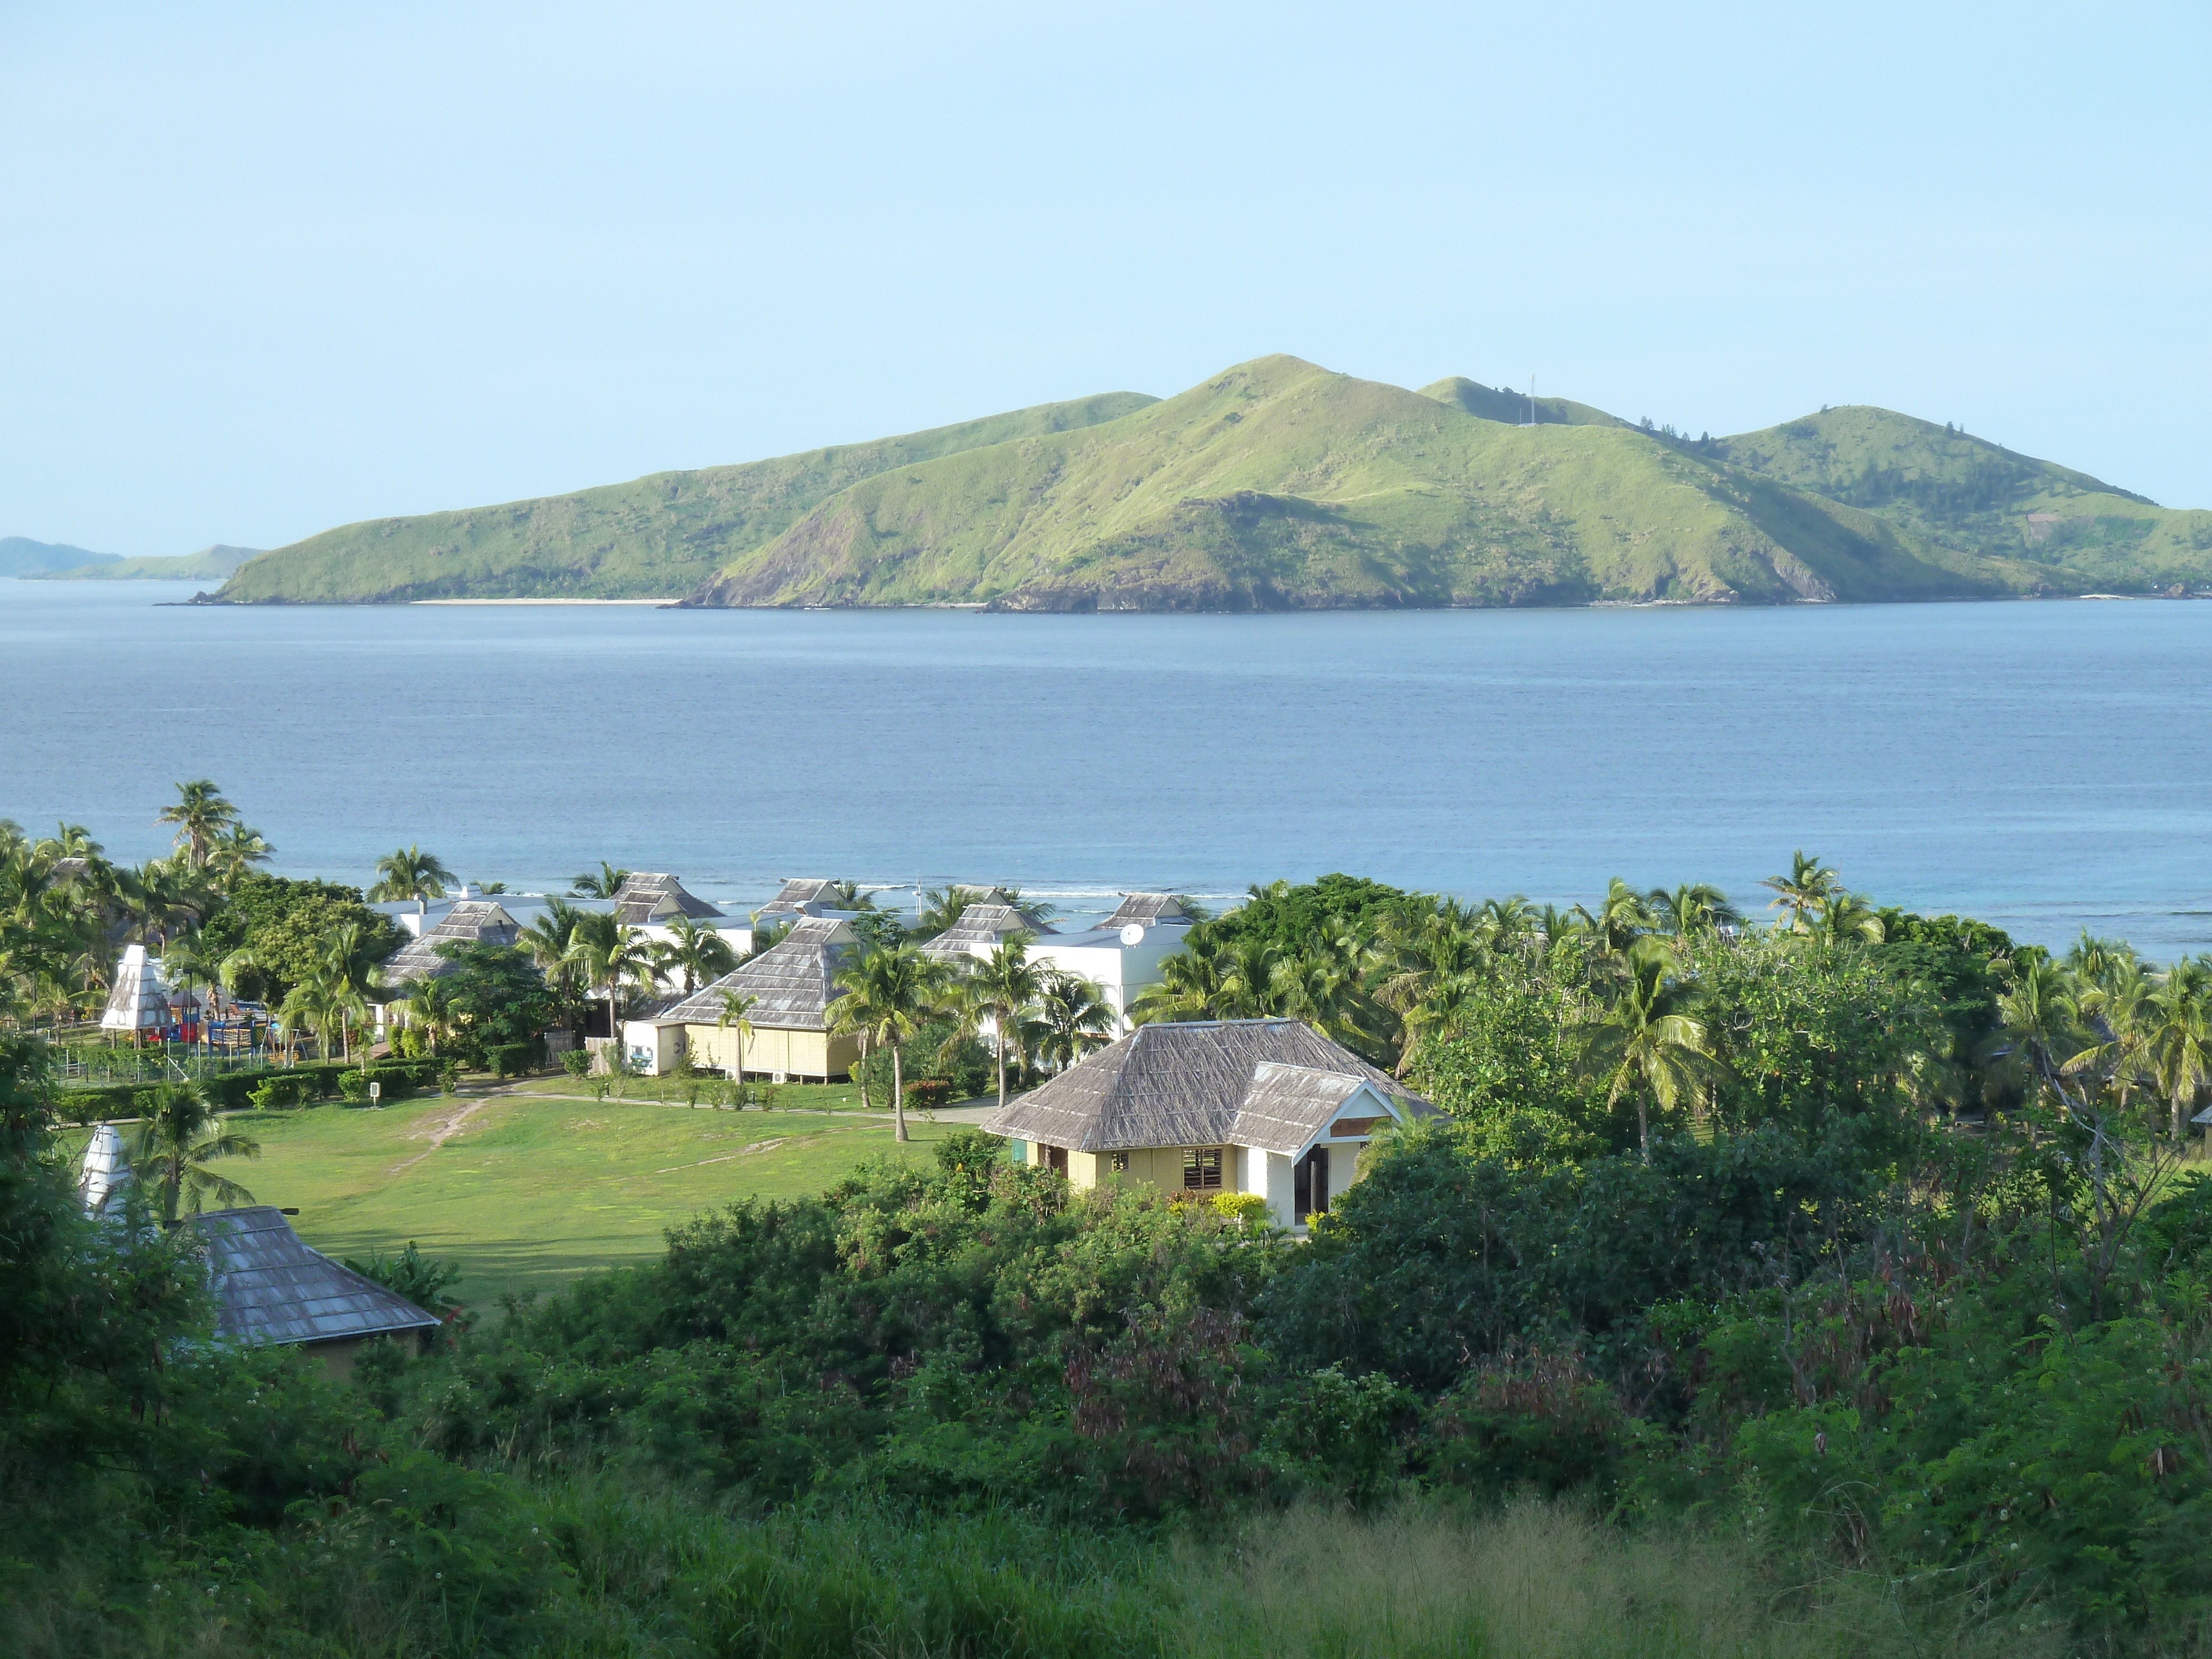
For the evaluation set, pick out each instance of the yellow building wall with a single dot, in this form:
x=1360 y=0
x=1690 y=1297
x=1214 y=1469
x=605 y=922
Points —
x=769 y=1049
x=1243 y=1168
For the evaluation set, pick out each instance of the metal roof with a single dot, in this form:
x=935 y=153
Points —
x=1185 y=1084
x=270 y=1287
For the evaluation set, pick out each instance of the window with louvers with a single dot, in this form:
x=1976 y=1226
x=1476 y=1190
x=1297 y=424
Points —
x=1201 y=1168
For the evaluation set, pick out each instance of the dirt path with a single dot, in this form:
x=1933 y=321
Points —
x=438 y=1130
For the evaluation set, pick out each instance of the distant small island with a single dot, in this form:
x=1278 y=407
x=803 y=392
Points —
x=216 y=562
x=1280 y=485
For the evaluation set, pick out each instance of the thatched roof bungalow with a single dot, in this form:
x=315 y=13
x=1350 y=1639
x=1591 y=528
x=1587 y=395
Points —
x=1265 y=1106
x=982 y=926
x=469 y=921
x=793 y=985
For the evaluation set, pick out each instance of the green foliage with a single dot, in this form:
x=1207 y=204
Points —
x=1288 y=917
x=656 y=536
x=498 y=998
x=415 y=1276
x=507 y=1059
x=937 y=1052
x=284 y=924
x=1277 y=482
x=576 y=1062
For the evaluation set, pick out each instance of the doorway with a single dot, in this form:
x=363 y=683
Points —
x=1309 y=1185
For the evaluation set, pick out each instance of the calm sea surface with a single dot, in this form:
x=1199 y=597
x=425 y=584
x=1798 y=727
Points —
x=2046 y=766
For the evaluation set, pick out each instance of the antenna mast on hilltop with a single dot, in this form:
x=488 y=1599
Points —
x=1531 y=420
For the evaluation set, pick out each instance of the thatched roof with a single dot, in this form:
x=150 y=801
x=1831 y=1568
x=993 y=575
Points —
x=795 y=982
x=270 y=1287
x=797 y=894
x=980 y=927
x=1187 y=1083
x=1147 y=910
x=141 y=999
x=471 y=921
x=654 y=901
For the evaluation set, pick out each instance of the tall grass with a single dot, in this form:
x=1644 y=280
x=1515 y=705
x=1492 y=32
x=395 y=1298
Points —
x=654 y=1573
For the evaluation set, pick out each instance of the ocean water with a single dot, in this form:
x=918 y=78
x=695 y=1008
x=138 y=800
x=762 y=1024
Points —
x=2046 y=766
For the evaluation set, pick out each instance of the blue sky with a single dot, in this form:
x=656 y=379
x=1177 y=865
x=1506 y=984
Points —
x=264 y=270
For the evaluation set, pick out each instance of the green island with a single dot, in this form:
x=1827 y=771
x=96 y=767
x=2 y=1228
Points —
x=1788 y=1275
x=1277 y=484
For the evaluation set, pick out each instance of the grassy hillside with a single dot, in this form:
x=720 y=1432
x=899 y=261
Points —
x=209 y=564
x=1504 y=403
x=21 y=556
x=1951 y=494
x=1278 y=484
x=654 y=538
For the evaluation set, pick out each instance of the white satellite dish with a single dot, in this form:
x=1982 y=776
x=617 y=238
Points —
x=1133 y=932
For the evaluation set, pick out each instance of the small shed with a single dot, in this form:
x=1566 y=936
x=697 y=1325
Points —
x=103 y=1172
x=270 y=1287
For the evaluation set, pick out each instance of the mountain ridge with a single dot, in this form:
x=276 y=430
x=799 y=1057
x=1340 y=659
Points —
x=219 y=560
x=1277 y=484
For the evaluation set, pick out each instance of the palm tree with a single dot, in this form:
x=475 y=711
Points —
x=409 y=872
x=161 y=897
x=2180 y=1039
x=1692 y=908
x=609 y=956
x=847 y=895
x=2120 y=1007
x=321 y=1003
x=1005 y=983
x=603 y=886
x=1846 y=919
x=200 y=812
x=939 y=908
x=236 y=851
x=887 y=995
x=350 y=958
x=736 y=1005
x=1652 y=1041
x=1805 y=891
x=178 y=1141
x=548 y=939
x=2040 y=1018
x=1072 y=1017
x=1626 y=916
x=427 y=1002
x=702 y=954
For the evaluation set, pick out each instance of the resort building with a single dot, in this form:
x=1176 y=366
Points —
x=806 y=896
x=466 y=922
x=793 y=985
x=268 y=1287
x=983 y=926
x=1265 y=1106
x=1123 y=955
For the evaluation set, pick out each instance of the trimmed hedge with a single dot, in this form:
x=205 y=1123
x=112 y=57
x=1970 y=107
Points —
x=235 y=1091
x=514 y=1059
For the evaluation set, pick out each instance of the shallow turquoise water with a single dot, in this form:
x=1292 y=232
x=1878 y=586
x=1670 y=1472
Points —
x=2042 y=765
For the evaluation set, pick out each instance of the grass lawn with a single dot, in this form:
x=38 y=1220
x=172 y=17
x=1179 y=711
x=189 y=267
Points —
x=526 y=1191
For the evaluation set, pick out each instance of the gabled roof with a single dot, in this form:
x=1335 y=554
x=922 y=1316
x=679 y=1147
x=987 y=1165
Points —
x=1287 y=1106
x=646 y=900
x=1185 y=1085
x=982 y=926
x=794 y=982
x=798 y=894
x=1146 y=909
x=141 y=999
x=469 y=921
x=270 y=1287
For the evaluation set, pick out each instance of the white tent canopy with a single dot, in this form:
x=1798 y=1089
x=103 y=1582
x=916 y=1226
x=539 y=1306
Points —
x=141 y=1000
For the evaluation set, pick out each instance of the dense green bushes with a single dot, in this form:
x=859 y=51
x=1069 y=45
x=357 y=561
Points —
x=269 y=1089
